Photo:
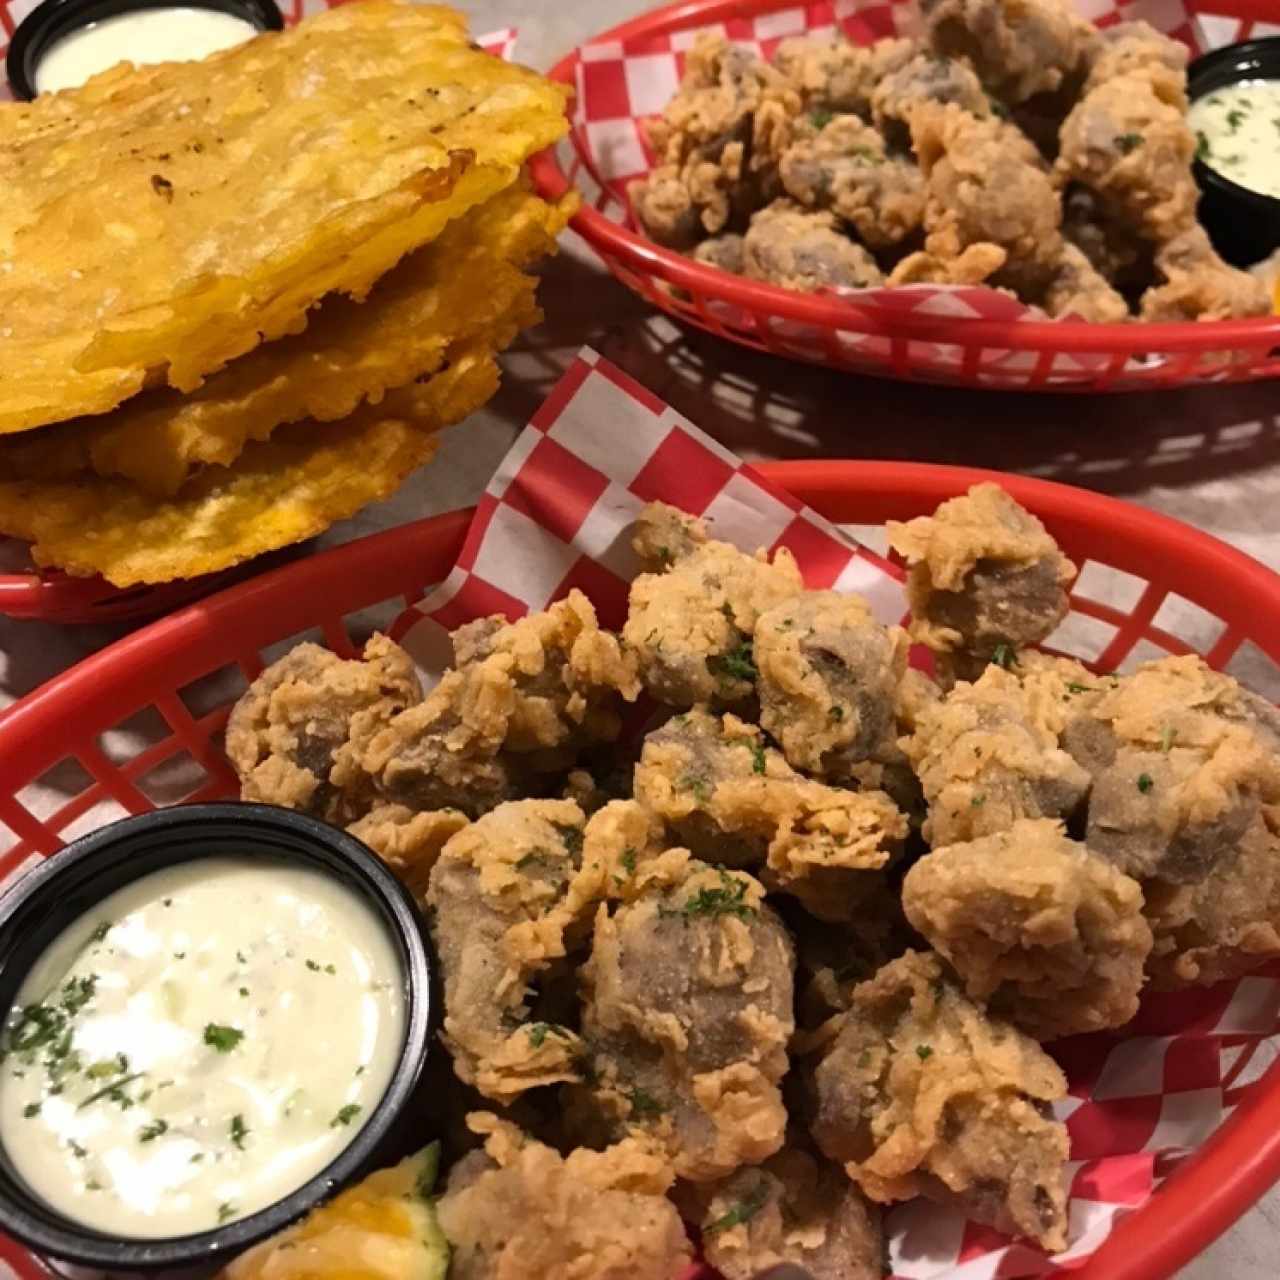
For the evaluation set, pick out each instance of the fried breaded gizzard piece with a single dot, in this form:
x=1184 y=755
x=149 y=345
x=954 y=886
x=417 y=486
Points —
x=985 y=580
x=922 y=1093
x=164 y=220
x=1039 y=929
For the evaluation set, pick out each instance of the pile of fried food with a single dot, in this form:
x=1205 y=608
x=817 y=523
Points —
x=790 y=955
x=1013 y=145
x=239 y=298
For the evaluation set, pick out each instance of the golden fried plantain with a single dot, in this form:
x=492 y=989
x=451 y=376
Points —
x=350 y=352
x=163 y=220
x=278 y=492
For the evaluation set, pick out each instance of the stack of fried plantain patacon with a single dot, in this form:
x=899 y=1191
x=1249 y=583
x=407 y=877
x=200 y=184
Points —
x=239 y=298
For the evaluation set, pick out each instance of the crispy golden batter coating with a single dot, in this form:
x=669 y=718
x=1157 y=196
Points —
x=1133 y=149
x=1078 y=289
x=985 y=758
x=922 y=80
x=981 y=188
x=408 y=842
x=690 y=620
x=829 y=676
x=570 y=676
x=1040 y=930
x=1193 y=283
x=733 y=800
x=291 y=731
x=501 y=914
x=921 y=1093
x=687 y=1014
x=797 y=249
x=974 y=265
x=1137 y=47
x=837 y=75
x=1224 y=926
x=795 y=1208
x=844 y=167
x=520 y=1211
x=1182 y=759
x=1018 y=47
x=166 y=219
x=985 y=578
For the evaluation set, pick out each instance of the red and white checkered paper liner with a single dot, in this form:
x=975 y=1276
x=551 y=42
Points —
x=557 y=515
x=621 y=83
x=501 y=44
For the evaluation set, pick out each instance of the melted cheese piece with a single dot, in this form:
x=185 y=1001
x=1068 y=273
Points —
x=1237 y=132
x=141 y=37
x=199 y=1046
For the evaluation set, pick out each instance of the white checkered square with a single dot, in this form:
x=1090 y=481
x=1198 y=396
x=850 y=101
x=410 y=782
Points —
x=1186 y=1119
x=605 y=535
x=785 y=22
x=742 y=513
x=1134 y=1069
x=1254 y=1008
x=615 y=144
x=652 y=80
x=884 y=594
x=609 y=429
x=521 y=558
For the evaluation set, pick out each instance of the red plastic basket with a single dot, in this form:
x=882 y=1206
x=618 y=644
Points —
x=890 y=342
x=170 y=686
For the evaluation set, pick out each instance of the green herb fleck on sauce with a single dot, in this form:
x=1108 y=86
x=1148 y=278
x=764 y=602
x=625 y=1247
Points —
x=238 y=1131
x=346 y=1115
x=150 y=1132
x=226 y=1212
x=223 y=1039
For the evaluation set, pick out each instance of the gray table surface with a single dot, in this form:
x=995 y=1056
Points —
x=1210 y=457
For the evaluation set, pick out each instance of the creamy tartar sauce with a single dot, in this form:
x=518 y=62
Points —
x=1237 y=132
x=200 y=1045
x=143 y=36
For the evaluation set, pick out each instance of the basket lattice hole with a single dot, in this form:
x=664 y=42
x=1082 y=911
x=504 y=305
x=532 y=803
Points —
x=172 y=780
x=1144 y=650
x=376 y=617
x=218 y=689
x=281 y=647
x=1255 y=670
x=10 y=875
x=1104 y=585
x=1081 y=636
x=45 y=795
x=1188 y=621
x=145 y=728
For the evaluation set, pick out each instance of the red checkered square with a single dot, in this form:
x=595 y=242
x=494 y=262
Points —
x=814 y=551
x=682 y=473
x=605 y=590
x=477 y=599
x=604 y=84
x=555 y=489
x=1114 y=1128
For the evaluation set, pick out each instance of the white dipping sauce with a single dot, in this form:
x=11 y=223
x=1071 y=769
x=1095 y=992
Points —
x=143 y=36
x=199 y=1046
x=1237 y=132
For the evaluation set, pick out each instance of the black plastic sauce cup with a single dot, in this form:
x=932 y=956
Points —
x=49 y=22
x=1244 y=225
x=75 y=880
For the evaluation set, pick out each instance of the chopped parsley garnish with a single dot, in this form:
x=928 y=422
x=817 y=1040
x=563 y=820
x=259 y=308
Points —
x=757 y=758
x=737 y=664
x=93 y=1185
x=1128 y=142
x=115 y=1092
x=743 y=1211
x=628 y=861
x=644 y=1103
x=977 y=802
x=924 y=1052
x=346 y=1115
x=1235 y=118
x=31 y=1110
x=836 y=713
x=572 y=837
x=867 y=155
x=821 y=118
x=244 y=991
x=238 y=1131
x=116 y=1066
x=538 y=1032
x=700 y=787
x=78 y=1151
x=330 y=969
x=1203 y=150
x=1074 y=686
x=311 y=964
x=1004 y=657
x=728 y=899
x=223 y=1039
x=150 y=1132
x=240 y=958
x=864 y=1059
x=528 y=860
x=226 y=1212
x=77 y=993
x=1145 y=783
x=37 y=1025
x=101 y=931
